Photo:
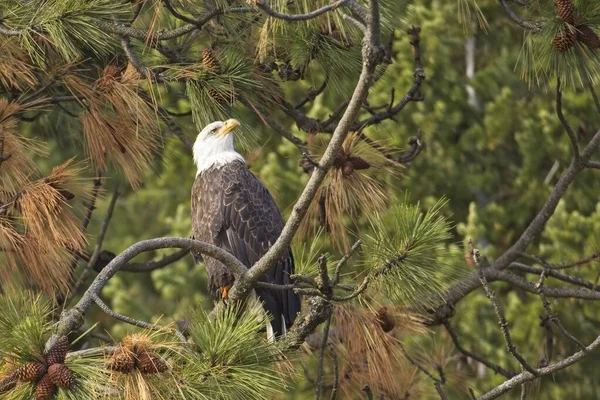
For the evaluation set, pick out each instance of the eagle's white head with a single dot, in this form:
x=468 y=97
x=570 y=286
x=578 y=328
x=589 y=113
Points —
x=214 y=145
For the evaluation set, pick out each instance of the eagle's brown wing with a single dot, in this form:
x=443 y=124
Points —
x=237 y=212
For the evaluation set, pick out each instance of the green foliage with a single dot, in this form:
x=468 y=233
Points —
x=69 y=24
x=24 y=325
x=231 y=346
x=407 y=255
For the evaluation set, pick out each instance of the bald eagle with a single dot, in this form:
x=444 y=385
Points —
x=233 y=210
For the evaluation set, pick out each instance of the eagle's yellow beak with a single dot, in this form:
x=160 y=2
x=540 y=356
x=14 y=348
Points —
x=227 y=127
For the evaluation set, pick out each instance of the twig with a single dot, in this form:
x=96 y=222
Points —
x=336 y=372
x=313 y=93
x=500 y=314
x=552 y=316
x=153 y=265
x=496 y=368
x=527 y=376
x=565 y=123
x=417 y=365
x=96 y=253
x=321 y=360
x=262 y=4
x=564 y=265
x=575 y=280
x=340 y=264
x=532 y=26
x=368 y=392
x=104 y=307
x=411 y=94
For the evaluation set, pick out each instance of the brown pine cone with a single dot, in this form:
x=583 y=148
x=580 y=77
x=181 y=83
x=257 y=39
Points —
x=209 y=61
x=587 y=36
x=122 y=361
x=62 y=376
x=31 y=372
x=45 y=389
x=358 y=163
x=8 y=383
x=564 y=40
x=384 y=320
x=58 y=352
x=149 y=363
x=566 y=10
x=347 y=168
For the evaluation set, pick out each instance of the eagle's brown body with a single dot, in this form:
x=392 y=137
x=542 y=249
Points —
x=232 y=209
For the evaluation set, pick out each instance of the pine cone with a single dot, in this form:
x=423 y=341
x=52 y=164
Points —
x=347 y=168
x=384 y=320
x=564 y=40
x=209 y=61
x=8 y=383
x=587 y=36
x=31 y=372
x=220 y=98
x=45 y=389
x=358 y=163
x=566 y=10
x=122 y=361
x=62 y=376
x=58 y=352
x=150 y=363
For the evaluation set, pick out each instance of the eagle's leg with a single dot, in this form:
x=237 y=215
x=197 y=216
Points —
x=224 y=292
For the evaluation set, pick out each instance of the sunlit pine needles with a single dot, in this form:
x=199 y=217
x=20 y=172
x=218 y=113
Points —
x=118 y=125
x=349 y=193
x=371 y=356
x=39 y=233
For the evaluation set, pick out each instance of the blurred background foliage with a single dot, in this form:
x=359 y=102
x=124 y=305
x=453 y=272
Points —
x=494 y=149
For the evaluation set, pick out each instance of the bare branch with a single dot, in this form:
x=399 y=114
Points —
x=152 y=265
x=527 y=376
x=340 y=264
x=104 y=307
x=563 y=120
x=73 y=318
x=500 y=314
x=336 y=372
x=496 y=368
x=262 y=4
x=532 y=26
x=553 y=317
x=319 y=385
x=96 y=253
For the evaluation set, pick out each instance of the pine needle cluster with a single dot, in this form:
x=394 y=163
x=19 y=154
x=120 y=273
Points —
x=39 y=231
x=357 y=185
x=231 y=358
x=566 y=46
x=407 y=254
x=65 y=27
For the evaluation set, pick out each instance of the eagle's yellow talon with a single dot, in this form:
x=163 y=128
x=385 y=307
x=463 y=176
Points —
x=224 y=291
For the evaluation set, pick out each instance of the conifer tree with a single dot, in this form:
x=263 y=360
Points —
x=100 y=103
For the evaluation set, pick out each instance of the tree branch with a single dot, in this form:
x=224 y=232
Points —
x=500 y=314
x=527 y=376
x=262 y=4
x=371 y=54
x=73 y=318
x=563 y=120
x=104 y=307
x=532 y=26
x=496 y=368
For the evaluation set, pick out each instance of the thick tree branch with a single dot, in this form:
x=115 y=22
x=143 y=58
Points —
x=73 y=318
x=372 y=54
